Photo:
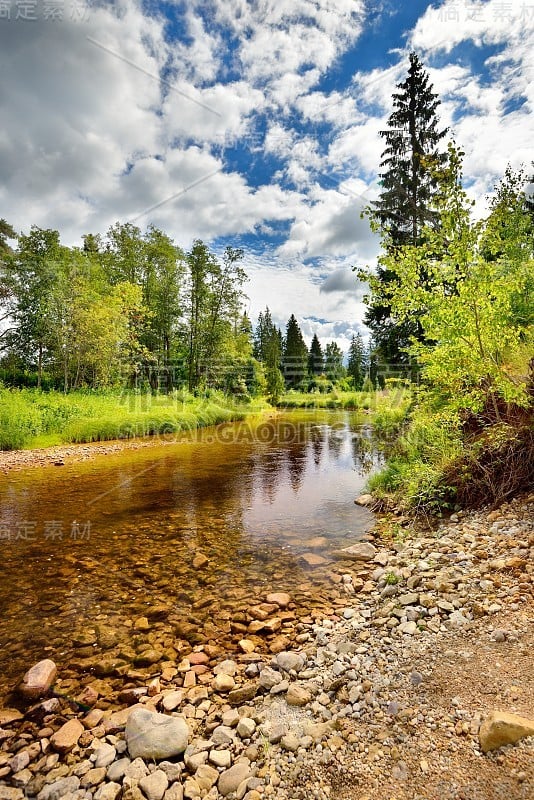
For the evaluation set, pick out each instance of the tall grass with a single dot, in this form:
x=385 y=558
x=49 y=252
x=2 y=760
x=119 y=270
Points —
x=29 y=417
x=389 y=407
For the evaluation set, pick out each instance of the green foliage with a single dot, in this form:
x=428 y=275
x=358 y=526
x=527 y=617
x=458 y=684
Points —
x=294 y=354
x=27 y=414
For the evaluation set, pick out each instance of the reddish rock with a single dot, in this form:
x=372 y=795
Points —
x=281 y=599
x=38 y=680
x=67 y=736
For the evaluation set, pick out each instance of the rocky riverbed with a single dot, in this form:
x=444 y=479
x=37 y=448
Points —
x=390 y=692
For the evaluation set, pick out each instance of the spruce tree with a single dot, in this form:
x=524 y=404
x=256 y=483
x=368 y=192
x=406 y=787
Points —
x=334 y=362
x=357 y=367
x=295 y=354
x=410 y=160
x=316 y=358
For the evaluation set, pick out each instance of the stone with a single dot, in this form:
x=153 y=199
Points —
x=408 y=627
x=223 y=683
x=268 y=678
x=247 y=645
x=206 y=777
x=105 y=755
x=136 y=770
x=365 y=500
x=154 y=785
x=93 y=777
x=172 y=700
x=290 y=742
x=297 y=695
x=108 y=791
x=281 y=599
x=221 y=758
x=58 y=789
x=409 y=599
x=243 y=693
x=200 y=561
x=288 y=661
x=38 y=680
x=500 y=728
x=246 y=727
x=230 y=779
x=226 y=667
x=19 y=761
x=8 y=793
x=361 y=551
x=9 y=715
x=67 y=736
x=175 y=792
x=150 y=735
x=117 y=770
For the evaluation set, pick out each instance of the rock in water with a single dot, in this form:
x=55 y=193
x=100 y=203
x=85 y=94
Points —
x=501 y=728
x=155 y=736
x=38 y=680
x=362 y=551
x=365 y=500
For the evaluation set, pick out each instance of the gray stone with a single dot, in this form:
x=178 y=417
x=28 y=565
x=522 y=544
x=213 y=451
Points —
x=269 y=678
x=362 y=551
x=154 y=785
x=231 y=778
x=136 y=770
x=155 y=736
x=117 y=770
x=288 y=661
x=105 y=755
x=175 y=792
x=58 y=789
x=246 y=727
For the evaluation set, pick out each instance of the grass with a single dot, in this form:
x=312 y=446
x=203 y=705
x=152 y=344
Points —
x=389 y=407
x=30 y=418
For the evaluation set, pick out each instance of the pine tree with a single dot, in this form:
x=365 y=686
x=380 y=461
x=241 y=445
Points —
x=295 y=354
x=334 y=368
x=316 y=358
x=409 y=164
x=357 y=367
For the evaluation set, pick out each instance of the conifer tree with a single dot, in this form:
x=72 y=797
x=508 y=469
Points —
x=295 y=354
x=356 y=367
x=410 y=162
x=316 y=358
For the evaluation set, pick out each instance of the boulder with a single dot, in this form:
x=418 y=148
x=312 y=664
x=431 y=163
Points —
x=361 y=551
x=38 y=680
x=155 y=736
x=501 y=728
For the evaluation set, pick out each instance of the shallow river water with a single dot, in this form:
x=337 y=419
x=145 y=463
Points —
x=89 y=548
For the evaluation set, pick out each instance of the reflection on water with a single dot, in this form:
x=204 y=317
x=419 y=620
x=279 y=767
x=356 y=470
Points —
x=99 y=542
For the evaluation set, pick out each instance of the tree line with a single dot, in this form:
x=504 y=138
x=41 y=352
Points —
x=131 y=308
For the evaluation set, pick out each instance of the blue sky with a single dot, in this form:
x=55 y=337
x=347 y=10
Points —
x=253 y=124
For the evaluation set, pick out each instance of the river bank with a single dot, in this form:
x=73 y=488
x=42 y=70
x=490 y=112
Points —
x=381 y=695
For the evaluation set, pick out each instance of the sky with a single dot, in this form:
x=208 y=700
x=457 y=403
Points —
x=251 y=123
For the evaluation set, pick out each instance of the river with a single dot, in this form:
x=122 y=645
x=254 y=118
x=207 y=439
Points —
x=188 y=534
